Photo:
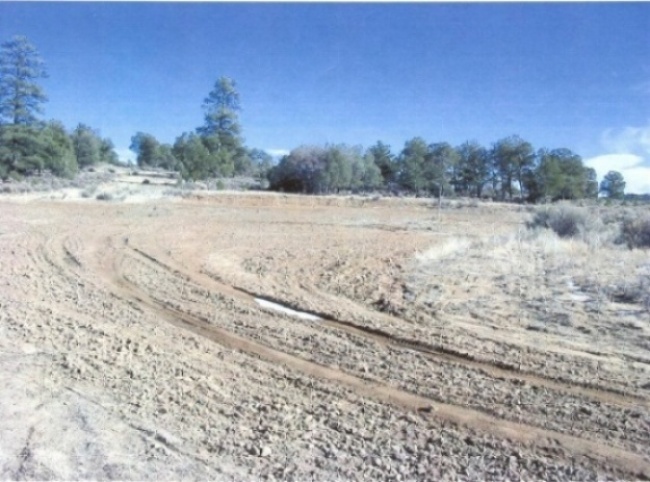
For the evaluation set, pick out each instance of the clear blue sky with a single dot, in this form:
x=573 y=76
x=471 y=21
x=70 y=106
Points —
x=559 y=75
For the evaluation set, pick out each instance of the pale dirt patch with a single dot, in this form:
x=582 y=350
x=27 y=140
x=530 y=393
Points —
x=51 y=431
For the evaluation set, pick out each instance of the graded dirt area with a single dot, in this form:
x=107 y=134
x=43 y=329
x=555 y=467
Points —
x=451 y=344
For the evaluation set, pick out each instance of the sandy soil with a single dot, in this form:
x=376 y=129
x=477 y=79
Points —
x=450 y=345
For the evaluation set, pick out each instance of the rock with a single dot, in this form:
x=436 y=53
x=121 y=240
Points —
x=265 y=451
x=399 y=456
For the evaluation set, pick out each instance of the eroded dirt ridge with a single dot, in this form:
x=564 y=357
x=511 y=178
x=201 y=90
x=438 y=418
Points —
x=143 y=312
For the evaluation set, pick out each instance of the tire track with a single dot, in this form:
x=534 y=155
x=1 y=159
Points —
x=565 y=412
x=501 y=371
x=110 y=268
x=496 y=370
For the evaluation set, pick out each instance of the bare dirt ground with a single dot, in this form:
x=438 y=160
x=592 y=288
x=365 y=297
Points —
x=453 y=344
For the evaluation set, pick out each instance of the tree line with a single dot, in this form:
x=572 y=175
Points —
x=510 y=168
x=27 y=144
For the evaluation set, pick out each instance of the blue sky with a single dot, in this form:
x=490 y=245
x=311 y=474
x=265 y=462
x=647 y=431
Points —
x=559 y=75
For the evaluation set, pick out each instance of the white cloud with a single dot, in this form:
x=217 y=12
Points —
x=627 y=150
x=613 y=162
x=636 y=175
x=278 y=152
x=637 y=180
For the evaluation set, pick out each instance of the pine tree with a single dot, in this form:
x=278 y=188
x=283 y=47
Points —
x=21 y=98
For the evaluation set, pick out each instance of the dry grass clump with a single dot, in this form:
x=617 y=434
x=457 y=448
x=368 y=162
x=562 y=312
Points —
x=536 y=279
x=177 y=192
x=620 y=277
x=87 y=179
x=596 y=226
x=631 y=291
x=15 y=188
x=89 y=191
x=567 y=221
x=452 y=246
x=635 y=231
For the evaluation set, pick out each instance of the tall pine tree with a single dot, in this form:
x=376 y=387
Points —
x=21 y=97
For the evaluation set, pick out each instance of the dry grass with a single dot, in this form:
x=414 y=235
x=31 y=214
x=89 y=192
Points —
x=533 y=279
x=635 y=231
x=48 y=183
x=596 y=225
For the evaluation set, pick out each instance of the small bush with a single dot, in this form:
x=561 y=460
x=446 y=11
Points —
x=146 y=181
x=633 y=292
x=104 y=196
x=89 y=192
x=636 y=232
x=17 y=188
x=566 y=221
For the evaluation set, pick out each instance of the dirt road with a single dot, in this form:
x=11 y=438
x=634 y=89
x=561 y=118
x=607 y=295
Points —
x=137 y=325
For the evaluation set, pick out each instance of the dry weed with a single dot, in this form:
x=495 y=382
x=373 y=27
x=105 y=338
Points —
x=635 y=232
x=536 y=278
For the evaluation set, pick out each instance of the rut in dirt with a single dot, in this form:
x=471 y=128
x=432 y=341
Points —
x=496 y=369
x=459 y=415
x=105 y=264
x=393 y=396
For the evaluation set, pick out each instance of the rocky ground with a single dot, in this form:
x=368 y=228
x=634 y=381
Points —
x=451 y=344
